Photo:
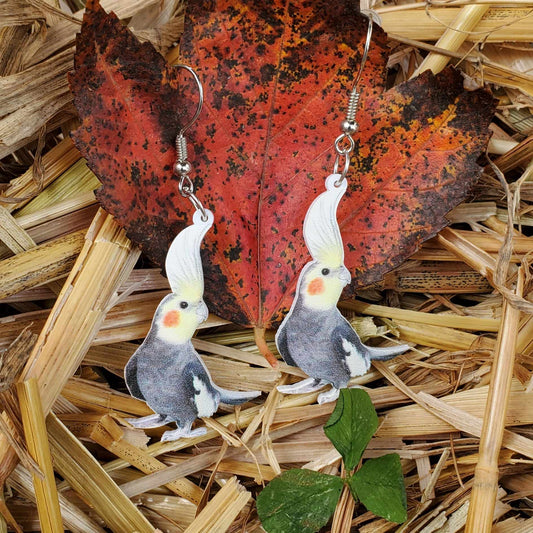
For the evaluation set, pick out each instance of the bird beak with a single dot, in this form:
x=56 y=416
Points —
x=345 y=276
x=202 y=312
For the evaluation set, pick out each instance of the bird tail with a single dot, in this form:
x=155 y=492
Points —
x=384 y=354
x=233 y=397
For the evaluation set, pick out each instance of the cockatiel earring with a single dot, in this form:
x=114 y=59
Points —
x=166 y=371
x=314 y=335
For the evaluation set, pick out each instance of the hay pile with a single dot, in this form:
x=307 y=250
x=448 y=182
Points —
x=75 y=300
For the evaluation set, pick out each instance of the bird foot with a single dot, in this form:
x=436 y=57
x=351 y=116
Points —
x=306 y=385
x=148 y=422
x=329 y=396
x=180 y=433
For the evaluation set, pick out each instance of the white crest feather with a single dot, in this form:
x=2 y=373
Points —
x=183 y=262
x=321 y=229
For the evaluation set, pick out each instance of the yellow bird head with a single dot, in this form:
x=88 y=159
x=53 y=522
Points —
x=322 y=280
x=178 y=316
x=180 y=313
x=321 y=284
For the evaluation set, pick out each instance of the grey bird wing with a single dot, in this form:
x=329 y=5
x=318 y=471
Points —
x=344 y=334
x=344 y=331
x=283 y=346
x=199 y=387
x=130 y=375
x=350 y=349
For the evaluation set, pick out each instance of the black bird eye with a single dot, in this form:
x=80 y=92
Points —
x=184 y=305
x=325 y=271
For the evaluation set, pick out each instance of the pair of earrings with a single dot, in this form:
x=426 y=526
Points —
x=167 y=372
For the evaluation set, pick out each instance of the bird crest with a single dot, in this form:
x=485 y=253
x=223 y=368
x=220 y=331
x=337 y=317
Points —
x=321 y=230
x=183 y=263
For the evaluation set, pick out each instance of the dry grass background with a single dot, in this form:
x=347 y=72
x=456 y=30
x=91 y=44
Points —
x=460 y=399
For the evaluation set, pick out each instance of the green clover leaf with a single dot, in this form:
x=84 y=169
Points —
x=351 y=425
x=379 y=485
x=298 y=501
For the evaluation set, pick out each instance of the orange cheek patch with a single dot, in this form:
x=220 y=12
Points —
x=316 y=286
x=171 y=319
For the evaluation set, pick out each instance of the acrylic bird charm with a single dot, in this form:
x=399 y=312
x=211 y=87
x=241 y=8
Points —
x=166 y=371
x=314 y=335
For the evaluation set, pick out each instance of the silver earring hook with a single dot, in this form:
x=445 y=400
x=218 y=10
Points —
x=365 y=51
x=200 y=97
x=344 y=143
x=182 y=166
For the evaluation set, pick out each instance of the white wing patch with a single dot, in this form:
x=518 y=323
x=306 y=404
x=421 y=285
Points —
x=357 y=364
x=206 y=403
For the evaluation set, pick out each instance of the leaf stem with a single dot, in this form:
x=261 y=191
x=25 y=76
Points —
x=259 y=338
x=342 y=518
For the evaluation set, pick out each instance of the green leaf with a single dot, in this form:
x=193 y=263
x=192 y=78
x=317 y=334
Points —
x=380 y=487
x=351 y=425
x=298 y=501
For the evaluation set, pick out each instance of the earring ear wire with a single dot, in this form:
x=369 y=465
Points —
x=182 y=166
x=344 y=143
x=365 y=51
x=191 y=71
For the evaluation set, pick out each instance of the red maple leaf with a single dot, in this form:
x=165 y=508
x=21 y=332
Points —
x=276 y=76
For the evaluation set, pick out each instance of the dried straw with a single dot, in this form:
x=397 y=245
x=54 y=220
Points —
x=104 y=262
x=220 y=512
x=74 y=518
x=486 y=475
x=512 y=23
x=108 y=434
x=467 y=19
x=90 y=481
x=37 y=442
x=453 y=300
